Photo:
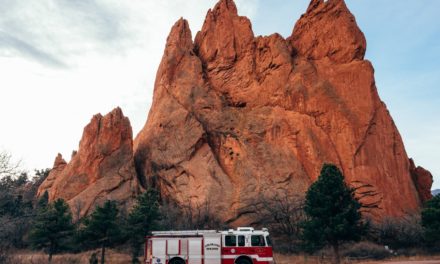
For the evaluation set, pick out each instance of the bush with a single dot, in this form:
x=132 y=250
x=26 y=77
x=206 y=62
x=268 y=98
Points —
x=283 y=213
x=4 y=256
x=366 y=250
x=411 y=252
x=189 y=216
x=400 y=233
x=431 y=222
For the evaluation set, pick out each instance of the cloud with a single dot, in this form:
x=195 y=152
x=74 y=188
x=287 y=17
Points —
x=64 y=61
x=59 y=33
x=99 y=20
x=10 y=45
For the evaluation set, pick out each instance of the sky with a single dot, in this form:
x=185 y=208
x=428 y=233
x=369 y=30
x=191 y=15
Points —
x=63 y=61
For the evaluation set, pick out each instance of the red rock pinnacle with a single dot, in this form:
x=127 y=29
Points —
x=102 y=169
x=328 y=29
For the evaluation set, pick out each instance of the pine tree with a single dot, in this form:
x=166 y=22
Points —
x=143 y=219
x=52 y=228
x=43 y=201
x=431 y=221
x=101 y=228
x=332 y=211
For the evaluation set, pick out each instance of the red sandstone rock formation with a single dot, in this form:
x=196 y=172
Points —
x=236 y=116
x=422 y=180
x=58 y=167
x=103 y=168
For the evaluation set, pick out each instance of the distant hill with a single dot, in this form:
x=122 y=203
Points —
x=435 y=192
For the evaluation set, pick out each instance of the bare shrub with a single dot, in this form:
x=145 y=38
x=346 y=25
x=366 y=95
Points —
x=366 y=250
x=188 y=216
x=406 y=232
x=283 y=213
x=4 y=254
x=8 y=167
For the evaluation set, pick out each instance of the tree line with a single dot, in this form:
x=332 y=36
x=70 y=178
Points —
x=54 y=231
x=328 y=215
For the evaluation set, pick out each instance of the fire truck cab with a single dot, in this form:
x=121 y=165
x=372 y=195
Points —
x=242 y=246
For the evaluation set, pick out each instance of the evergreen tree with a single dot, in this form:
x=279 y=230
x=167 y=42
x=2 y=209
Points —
x=431 y=221
x=143 y=219
x=43 y=201
x=332 y=212
x=101 y=228
x=52 y=228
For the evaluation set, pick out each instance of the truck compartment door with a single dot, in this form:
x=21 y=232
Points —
x=159 y=251
x=212 y=249
x=173 y=247
x=195 y=250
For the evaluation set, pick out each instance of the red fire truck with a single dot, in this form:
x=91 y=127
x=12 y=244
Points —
x=242 y=246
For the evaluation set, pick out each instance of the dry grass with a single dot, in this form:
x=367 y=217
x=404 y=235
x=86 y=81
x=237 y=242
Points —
x=405 y=259
x=111 y=257
x=304 y=259
x=285 y=259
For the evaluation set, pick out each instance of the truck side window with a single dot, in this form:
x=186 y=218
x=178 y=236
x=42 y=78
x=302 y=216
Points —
x=230 y=241
x=241 y=242
x=257 y=241
x=268 y=241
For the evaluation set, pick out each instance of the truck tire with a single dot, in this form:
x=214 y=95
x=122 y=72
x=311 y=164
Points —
x=177 y=261
x=243 y=261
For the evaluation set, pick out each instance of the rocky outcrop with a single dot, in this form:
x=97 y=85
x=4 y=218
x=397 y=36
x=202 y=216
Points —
x=235 y=117
x=58 y=166
x=422 y=180
x=328 y=30
x=103 y=168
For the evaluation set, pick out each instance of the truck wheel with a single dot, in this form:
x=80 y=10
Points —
x=177 y=261
x=243 y=261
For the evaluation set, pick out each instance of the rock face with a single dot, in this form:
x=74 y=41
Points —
x=423 y=181
x=235 y=116
x=103 y=168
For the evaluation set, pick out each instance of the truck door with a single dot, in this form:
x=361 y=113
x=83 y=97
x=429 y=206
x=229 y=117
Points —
x=195 y=250
x=212 y=248
x=159 y=251
x=173 y=247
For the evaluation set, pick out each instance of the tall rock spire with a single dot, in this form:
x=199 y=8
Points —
x=102 y=169
x=225 y=36
x=328 y=30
